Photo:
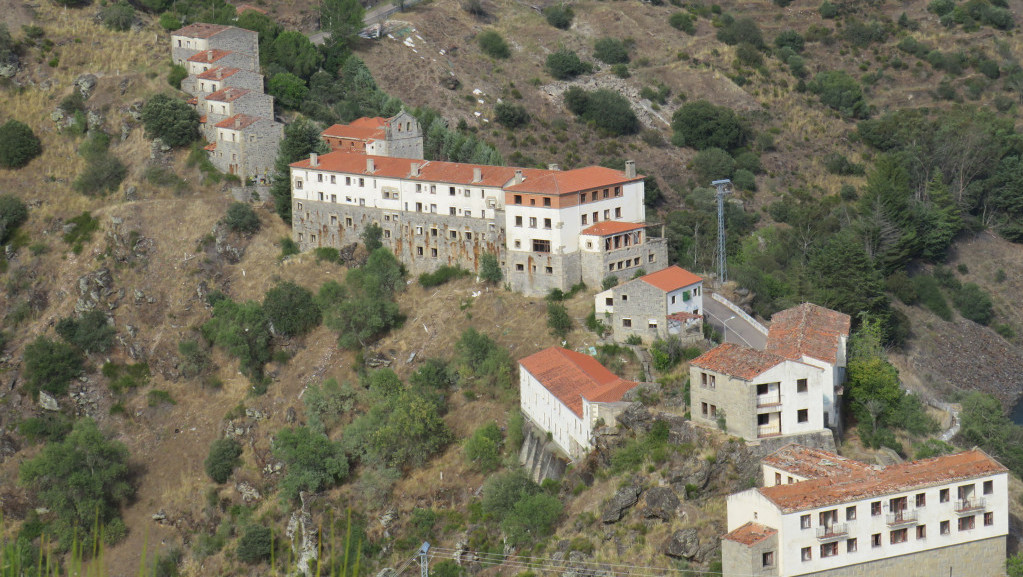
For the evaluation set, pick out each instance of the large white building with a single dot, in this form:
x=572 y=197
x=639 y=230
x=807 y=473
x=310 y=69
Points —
x=567 y=394
x=821 y=514
x=548 y=228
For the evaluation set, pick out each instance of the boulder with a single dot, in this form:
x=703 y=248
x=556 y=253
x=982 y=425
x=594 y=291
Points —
x=683 y=544
x=621 y=502
x=661 y=503
x=47 y=402
x=636 y=417
x=693 y=471
x=85 y=83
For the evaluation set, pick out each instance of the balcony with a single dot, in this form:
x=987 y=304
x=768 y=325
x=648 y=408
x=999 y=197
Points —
x=768 y=430
x=905 y=517
x=968 y=506
x=768 y=400
x=829 y=532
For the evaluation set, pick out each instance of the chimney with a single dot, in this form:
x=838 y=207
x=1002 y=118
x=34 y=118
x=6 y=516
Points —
x=415 y=168
x=477 y=174
x=370 y=166
x=220 y=73
x=553 y=166
x=314 y=159
x=518 y=176
x=630 y=169
x=237 y=123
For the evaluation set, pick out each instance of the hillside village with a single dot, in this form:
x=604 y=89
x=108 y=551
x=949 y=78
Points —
x=506 y=366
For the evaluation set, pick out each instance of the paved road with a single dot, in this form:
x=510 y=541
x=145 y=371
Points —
x=733 y=328
x=373 y=16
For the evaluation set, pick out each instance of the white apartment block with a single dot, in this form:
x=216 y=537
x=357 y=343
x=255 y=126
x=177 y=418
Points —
x=568 y=394
x=821 y=514
x=539 y=223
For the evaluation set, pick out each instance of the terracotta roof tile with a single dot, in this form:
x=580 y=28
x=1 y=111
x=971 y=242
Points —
x=238 y=122
x=572 y=376
x=609 y=227
x=569 y=181
x=211 y=146
x=672 y=278
x=750 y=534
x=208 y=56
x=736 y=360
x=813 y=463
x=807 y=330
x=878 y=481
x=361 y=129
x=229 y=94
x=218 y=73
x=683 y=316
x=200 y=30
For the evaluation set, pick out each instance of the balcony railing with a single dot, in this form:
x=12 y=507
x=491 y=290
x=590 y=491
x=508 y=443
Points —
x=905 y=517
x=768 y=430
x=768 y=400
x=970 y=505
x=836 y=531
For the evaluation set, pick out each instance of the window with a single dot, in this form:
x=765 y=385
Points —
x=532 y=222
x=348 y=181
x=348 y=221
x=595 y=218
x=433 y=189
x=300 y=206
x=333 y=179
x=547 y=223
x=850 y=513
x=541 y=245
x=468 y=235
x=319 y=177
x=518 y=243
x=967 y=523
x=433 y=232
x=829 y=549
x=546 y=202
x=433 y=252
x=387 y=233
x=850 y=545
x=433 y=208
x=989 y=519
x=582 y=197
x=801 y=386
x=625 y=297
x=607 y=213
x=650 y=257
x=548 y=270
x=454 y=235
x=803 y=415
x=451 y=191
x=943 y=528
x=618 y=191
x=921 y=500
x=518 y=221
x=362 y=182
x=609 y=301
x=518 y=199
x=333 y=198
x=419 y=250
x=804 y=520
x=708 y=381
x=584 y=219
x=451 y=211
x=419 y=230
x=875 y=508
x=875 y=540
x=652 y=325
x=777 y=478
x=520 y=267
x=767 y=559
x=989 y=487
x=606 y=192
x=626 y=323
x=703 y=409
x=618 y=212
x=467 y=213
x=419 y=187
x=806 y=554
x=943 y=496
x=298 y=183
x=333 y=220
x=921 y=531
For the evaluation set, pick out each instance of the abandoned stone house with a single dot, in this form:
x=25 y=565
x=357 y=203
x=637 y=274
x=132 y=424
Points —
x=208 y=59
x=246 y=145
x=655 y=305
x=821 y=514
x=227 y=102
x=194 y=38
x=568 y=395
x=221 y=77
x=399 y=136
x=539 y=223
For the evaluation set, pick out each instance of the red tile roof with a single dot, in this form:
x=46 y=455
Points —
x=238 y=122
x=880 y=481
x=568 y=181
x=750 y=534
x=199 y=30
x=218 y=73
x=813 y=463
x=229 y=94
x=683 y=316
x=572 y=376
x=211 y=146
x=609 y=227
x=208 y=56
x=807 y=330
x=429 y=170
x=672 y=278
x=361 y=129
x=737 y=361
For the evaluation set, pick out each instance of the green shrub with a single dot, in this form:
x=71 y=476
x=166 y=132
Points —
x=735 y=32
x=288 y=89
x=171 y=120
x=621 y=71
x=119 y=16
x=243 y=330
x=103 y=173
x=327 y=253
x=606 y=109
x=223 y=457
x=559 y=16
x=50 y=366
x=91 y=332
x=157 y=397
x=372 y=237
x=256 y=544
x=744 y=180
x=712 y=164
x=634 y=340
x=667 y=353
x=490 y=268
x=930 y=296
x=558 y=320
x=327 y=404
x=701 y=125
x=682 y=21
x=291 y=309
x=837 y=163
x=170 y=22
x=827 y=10
x=902 y=287
x=564 y=64
x=511 y=115
x=124 y=377
x=288 y=247
x=13 y=213
x=241 y=218
x=609 y=282
x=82 y=227
x=49 y=427
x=194 y=360
x=483 y=448
x=841 y=92
x=790 y=39
x=974 y=303
x=611 y=51
x=493 y=45
x=313 y=461
x=18 y=144
x=442 y=275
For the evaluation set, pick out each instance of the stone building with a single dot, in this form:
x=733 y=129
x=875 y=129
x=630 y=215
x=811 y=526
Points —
x=228 y=102
x=655 y=305
x=221 y=77
x=195 y=38
x=246 y=146
x=399 y=136
x=568 y=395
x=206 y=60
x=758 y=394
x=821 y=514
x=537 y=222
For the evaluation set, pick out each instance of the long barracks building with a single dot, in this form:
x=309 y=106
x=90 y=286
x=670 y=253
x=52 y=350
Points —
x=548 y=228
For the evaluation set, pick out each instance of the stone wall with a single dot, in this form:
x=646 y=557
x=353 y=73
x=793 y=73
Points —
x=985 y=557
x=645 y=302
x=250 y=158
x=597 y=265
x=824 y=439
x=732 y=396
x=536 y=273
x=748 y=560
x=538 y=456
x=407 y=142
